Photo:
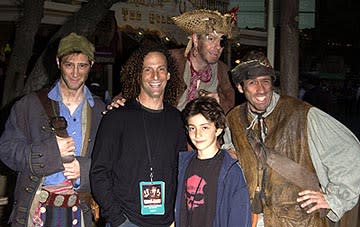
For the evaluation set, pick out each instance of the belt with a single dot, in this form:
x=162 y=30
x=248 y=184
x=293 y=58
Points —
x=59 y=196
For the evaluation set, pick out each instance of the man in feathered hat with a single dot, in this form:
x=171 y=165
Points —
x=199 y=63
x=199 y=66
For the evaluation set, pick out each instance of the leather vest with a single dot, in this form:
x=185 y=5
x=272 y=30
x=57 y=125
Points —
x=287 y=134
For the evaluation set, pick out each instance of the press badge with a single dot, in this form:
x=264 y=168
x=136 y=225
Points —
x=152 y=197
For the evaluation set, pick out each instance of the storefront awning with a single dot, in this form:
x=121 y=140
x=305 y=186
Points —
x=154 y=19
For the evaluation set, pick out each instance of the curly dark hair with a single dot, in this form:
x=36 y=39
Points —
x=132 y=70
x=208 y=107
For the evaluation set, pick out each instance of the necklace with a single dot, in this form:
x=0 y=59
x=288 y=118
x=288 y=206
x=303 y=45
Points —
x=146 y=107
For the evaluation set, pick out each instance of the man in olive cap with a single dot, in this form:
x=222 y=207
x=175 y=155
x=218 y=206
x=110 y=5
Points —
x=297 y=159
x=199 y=66
x=48 y=140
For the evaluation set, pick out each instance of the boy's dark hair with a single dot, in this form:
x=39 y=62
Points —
x=208 y=107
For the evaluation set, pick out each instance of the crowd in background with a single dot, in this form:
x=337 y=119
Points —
x=339 y=98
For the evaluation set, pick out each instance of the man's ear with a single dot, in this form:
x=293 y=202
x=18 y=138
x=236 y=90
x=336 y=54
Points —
x=91 y=63
x=168 y=76
x=240 y=88
x=58 y=62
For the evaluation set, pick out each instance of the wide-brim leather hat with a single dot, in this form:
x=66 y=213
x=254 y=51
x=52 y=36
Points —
x=254 y=64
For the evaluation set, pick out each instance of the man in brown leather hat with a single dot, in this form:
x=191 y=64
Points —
x=297 y=159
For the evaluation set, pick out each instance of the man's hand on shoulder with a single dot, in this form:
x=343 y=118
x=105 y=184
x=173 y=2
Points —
x=214 y=95
x=117 y=102
x=232 y=153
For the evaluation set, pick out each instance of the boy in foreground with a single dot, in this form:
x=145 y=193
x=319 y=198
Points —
x=211 y=187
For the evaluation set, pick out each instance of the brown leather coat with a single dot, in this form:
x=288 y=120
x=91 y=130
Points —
x=287 y=134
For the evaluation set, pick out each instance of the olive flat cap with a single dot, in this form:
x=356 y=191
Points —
x=75 y=43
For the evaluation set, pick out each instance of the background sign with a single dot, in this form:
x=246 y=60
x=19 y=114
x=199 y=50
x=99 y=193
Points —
x=153 y=16
x=252 y=13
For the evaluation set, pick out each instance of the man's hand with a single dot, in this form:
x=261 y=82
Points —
x=232 y=153
x=116 y=103
x=312 y=200
x=72 y=170
x=66 y=146
x=214 y=95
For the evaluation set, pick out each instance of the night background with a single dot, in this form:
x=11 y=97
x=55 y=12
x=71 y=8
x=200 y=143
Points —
x=329 y=62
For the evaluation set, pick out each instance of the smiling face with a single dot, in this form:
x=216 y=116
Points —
x=74 y=71
x=154 y=76
x=209 y=47
x=203 y=135
x=258 y=92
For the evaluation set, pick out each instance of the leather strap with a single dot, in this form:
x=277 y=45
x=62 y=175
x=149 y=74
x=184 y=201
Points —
x=293 y=172
x=52 y=110
x=287 y=168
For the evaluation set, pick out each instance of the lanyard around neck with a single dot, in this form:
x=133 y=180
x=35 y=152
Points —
x=147 y=146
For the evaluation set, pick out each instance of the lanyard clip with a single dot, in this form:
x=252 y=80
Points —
x=151 y=174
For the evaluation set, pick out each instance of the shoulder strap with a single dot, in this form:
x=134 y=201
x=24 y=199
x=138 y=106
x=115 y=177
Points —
x=46 y=102
x=52 y=110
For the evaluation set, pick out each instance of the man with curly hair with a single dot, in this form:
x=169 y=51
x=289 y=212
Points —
x=137 y=146
x=131 y=85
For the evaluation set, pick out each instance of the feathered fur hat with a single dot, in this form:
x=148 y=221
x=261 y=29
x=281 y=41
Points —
x=203 y=21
